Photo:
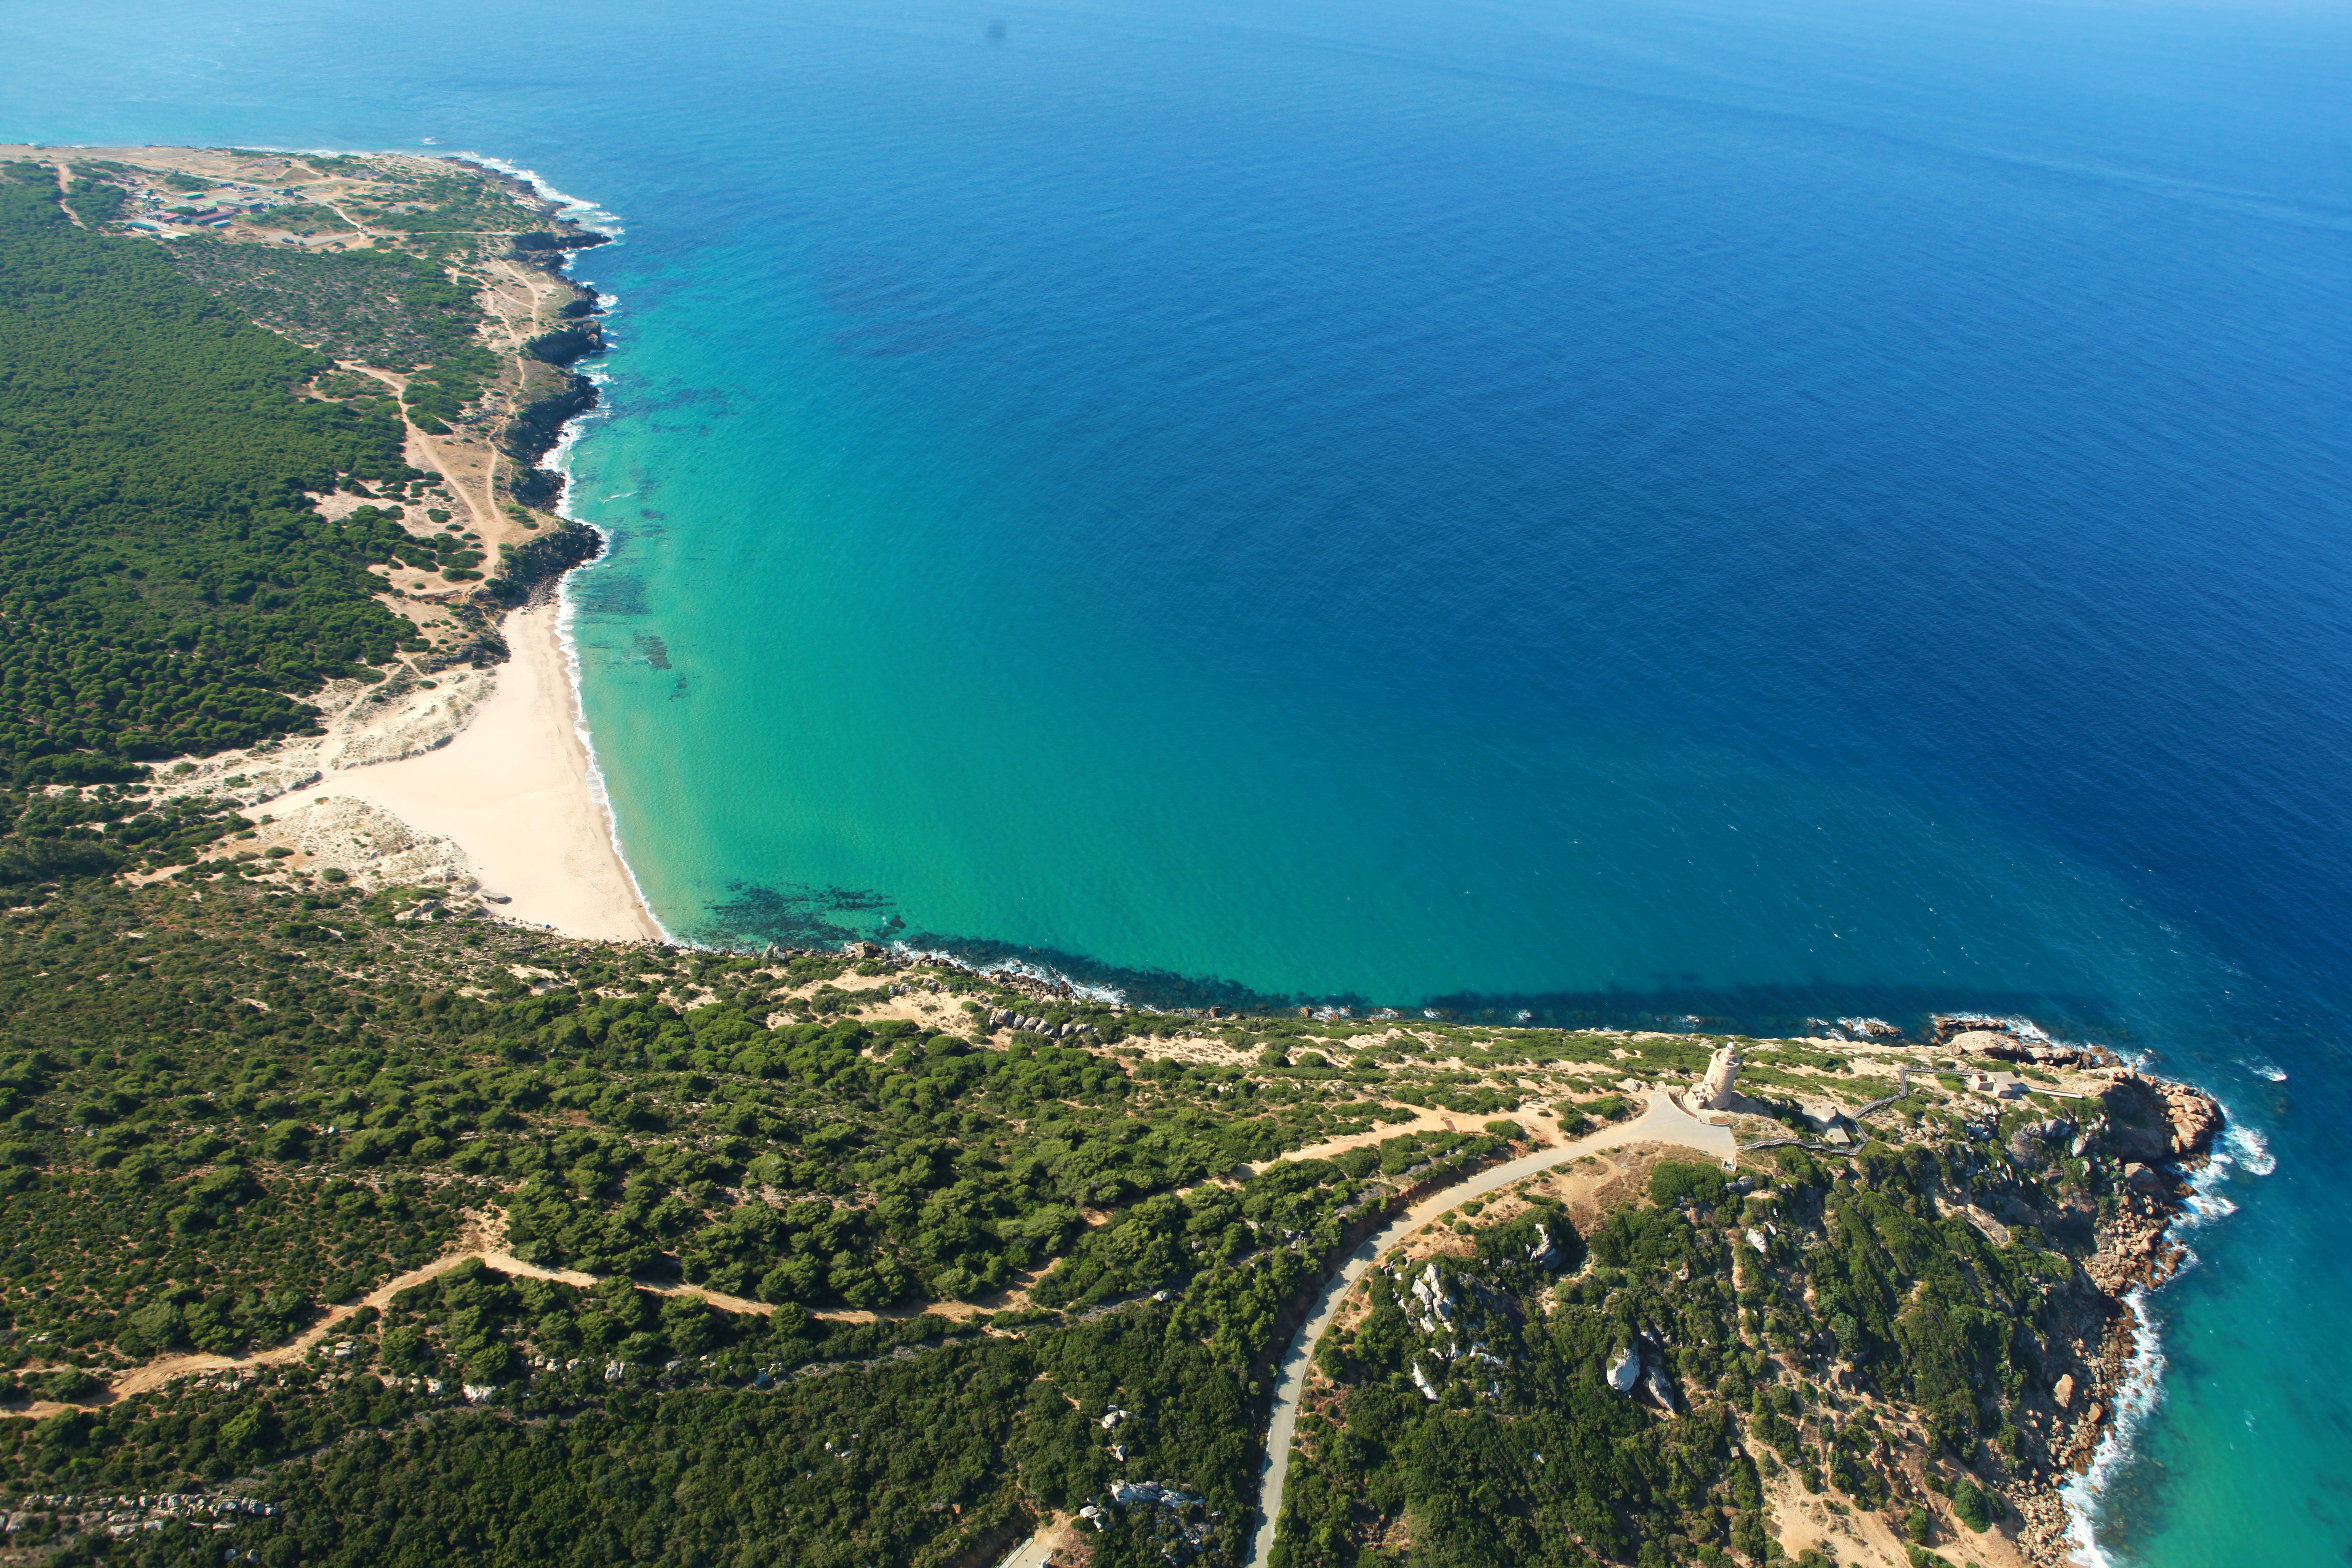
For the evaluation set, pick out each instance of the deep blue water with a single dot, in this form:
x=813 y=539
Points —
x=1599 y=509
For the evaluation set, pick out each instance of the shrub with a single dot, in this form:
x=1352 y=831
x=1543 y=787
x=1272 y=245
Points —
x=493 y=1364
x=72 y=1383
x=1676 y=1180
x=1972 y=1506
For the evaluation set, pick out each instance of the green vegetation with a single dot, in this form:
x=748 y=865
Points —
x=1488 y=1434
x=273 y=1100
x=382 y=307
x=306 y=218
x=163 y=585
x=1309 y=1203
x=829 y=1165
x=1928 y=1303
x=1674 y=1182
x=771 y=1194
x=1971 y=1507
x=95 y=202
x=1525 y=1451
x=433 y=202
x=895 y=1461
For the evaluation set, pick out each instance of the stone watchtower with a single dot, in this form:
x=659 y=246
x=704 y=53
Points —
x=1716 y=1089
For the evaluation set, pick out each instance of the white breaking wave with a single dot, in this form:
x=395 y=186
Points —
x=2143 y=1385
x=566 y=612
x=575 y=209
x=1107 y=995
x=2251 y=1149
x=2136 y=1401
x=567 y=608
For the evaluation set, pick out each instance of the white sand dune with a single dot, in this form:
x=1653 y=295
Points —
x=510 y=791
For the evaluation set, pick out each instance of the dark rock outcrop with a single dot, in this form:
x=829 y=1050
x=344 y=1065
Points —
x=530 y=571
x=539 y=426
x=2151 y=1122
x=533 y=433
x=543 y=242
x=565 y=345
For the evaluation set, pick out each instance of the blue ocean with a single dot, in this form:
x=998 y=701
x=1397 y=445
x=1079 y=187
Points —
x=1600 y=511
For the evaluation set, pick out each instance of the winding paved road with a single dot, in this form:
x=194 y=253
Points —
x=1664 y=1122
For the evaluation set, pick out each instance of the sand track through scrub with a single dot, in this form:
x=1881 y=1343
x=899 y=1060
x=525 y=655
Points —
x=484 y=1240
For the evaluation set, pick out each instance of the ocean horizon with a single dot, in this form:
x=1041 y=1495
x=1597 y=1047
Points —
x=1666 y=516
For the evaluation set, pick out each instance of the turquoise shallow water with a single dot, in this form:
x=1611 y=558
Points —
x=1600 y=509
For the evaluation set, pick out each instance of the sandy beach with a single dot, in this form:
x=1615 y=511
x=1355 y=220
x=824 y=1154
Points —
x=435 y=774
x=511 y=790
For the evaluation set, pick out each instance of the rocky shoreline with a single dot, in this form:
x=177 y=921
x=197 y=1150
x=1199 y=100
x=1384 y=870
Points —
x=2154 y=1138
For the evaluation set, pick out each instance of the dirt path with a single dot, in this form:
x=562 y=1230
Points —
x=1664 y=1122
x=1423 y=1121
x=482 y=1243
x=535 y=287
x=483 y=508
x=65 y=184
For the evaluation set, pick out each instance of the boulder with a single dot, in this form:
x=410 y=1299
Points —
x=2196 y=1119
x=2017 y=1211
x=1661 y=1387
x=2152 y=1123
x=2139 y=1124
x=2063 y=1391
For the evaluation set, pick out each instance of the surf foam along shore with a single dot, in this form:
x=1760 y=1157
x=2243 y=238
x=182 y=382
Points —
x=466 y=767
x=498 y=796
x=520 y=788
x=564 y=628
x=627 y=900
x=2207 y=1145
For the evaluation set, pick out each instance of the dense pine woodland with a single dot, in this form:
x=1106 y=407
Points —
x=164 y=586
x=811 y=1258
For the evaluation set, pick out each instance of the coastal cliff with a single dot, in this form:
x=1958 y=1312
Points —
x=735 y=1206
x=347 y=1185
x=1930 y=1332
x=415 y=317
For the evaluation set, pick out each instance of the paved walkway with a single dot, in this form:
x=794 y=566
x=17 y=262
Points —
x=1034 y=1552
x=1664 y=1122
